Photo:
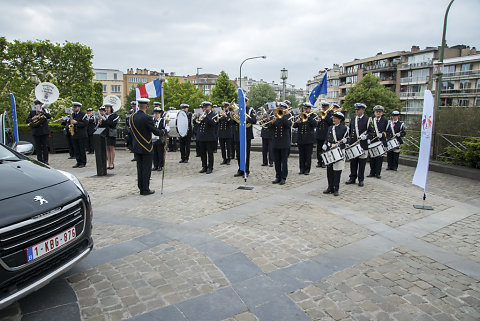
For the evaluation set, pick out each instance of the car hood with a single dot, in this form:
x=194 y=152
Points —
x=25 y=176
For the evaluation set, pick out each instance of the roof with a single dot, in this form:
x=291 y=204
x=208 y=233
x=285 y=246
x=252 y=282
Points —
x=461 y=59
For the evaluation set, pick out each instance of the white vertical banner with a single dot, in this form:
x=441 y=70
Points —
x=421 y=172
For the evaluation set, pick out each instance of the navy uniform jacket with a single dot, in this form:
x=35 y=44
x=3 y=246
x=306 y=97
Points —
x=91 y=124
x=306 y=130
x=267 y=131
x=250 y=120
x=190 y=129
x=207 y=128
x=42 y=127
x=81 y=125
x=362 y=129
x=323 y=125
x=281 y=132
x=341 y=131
x=142 y=127
x=225 y=126
x=110 y=122
x=398 y=127
x=382 y=124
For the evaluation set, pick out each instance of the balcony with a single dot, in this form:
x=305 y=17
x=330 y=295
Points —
x=389 y=65
x=412 y=110
x=460 y=92
x=416 y=65
x=414 y=95
x=417 y=80
x=462 y=74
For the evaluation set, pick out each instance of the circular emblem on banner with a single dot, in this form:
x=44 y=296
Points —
x=114 y=100
x=46 y=92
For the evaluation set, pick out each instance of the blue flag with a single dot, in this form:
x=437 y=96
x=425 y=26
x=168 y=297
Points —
x=319 y=89
x=242 y=131
x=14 y=117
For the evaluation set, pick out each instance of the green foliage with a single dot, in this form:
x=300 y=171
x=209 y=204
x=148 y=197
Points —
x=293 y=100
x=470 y=156
x=68 y=66
x=260 y=94
x=370 y=92
x=224 y=90
x=98 y=94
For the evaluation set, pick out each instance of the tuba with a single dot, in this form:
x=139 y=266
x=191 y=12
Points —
x=234 y=113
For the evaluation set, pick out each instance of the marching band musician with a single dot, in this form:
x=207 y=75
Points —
x=206 y=133
x=127 y=130
x=281 y=144
x=251 y=118
x=185 y=141
x=80 y=123
x=305 y=138
x=38 y=122
x=158 y=142
x=321 y=133
x=267 y=141
x=90 y=129
x=196 y=125
x=215 y=146
x=395 y=129
x=110 y=121
x=142 y=126
x=358 y=131
x=336 y=136
x=65 y=122
x=225 y=134
x=377 y=131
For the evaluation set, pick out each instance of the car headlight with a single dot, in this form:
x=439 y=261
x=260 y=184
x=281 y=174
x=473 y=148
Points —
x=74 y=180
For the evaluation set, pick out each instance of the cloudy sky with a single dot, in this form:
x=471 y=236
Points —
x=303 y=36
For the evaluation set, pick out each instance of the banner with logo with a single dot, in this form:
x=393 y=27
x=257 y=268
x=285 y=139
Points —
x=421 y=172
x=14 y=117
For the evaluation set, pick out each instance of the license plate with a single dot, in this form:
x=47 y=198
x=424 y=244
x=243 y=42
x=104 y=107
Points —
x=51 y=244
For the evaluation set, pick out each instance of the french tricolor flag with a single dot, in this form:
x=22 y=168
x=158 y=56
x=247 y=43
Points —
x=149 y=90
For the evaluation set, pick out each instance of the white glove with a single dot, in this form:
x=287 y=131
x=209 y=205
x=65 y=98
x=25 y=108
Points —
x=368 y=141
x=167 y=128
x=379 y=135
x=363 y=136
x=344 y=140
x=324 y=147
x=397 y=134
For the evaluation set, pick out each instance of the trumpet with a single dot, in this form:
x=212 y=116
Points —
x=323 y=113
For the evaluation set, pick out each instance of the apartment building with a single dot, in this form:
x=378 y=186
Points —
x=204 y=82
x=112 y=81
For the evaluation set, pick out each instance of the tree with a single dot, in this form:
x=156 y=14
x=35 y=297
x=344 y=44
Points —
x=224 y=90
x=293 y=100
x=260 y=94
x=370 y=92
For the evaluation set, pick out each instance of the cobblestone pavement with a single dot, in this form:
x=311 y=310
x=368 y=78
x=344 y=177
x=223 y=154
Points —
x=204 y=250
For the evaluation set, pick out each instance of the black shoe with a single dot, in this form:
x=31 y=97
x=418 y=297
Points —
x=155 y=169
x=319 y=165
x=228 y=162
x=181 y=161
x=203 y=170
x=301 y=173
x=185 y=160
x=389 y=169
x=371 y=175
x=394 y=169
x=306 y=173
x=360 y=183
x=335 y=192
x=71 y=157
x=76 y=165
x=133 y=160
x=149 y=192
x=271 y=165
x=209 y=171
x=264 y=164
x=350 y=181
x=81 y=166
x=378 y=176
x=224 y=162
x=324 y=166
x=282 y=182
x=328 y=191
x=276 y=181
x=239 y=173
x=160 y=169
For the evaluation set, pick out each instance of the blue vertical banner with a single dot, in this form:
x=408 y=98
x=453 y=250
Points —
x=14 y=117
x=242 y=131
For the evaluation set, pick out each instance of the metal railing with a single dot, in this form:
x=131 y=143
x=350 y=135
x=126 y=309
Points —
x=381 y=66
x=475 y=72
x=416 y=64
x=423 y=79
x=464 y=91
x=412 y=95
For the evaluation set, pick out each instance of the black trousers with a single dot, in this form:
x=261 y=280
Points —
x=79 y=150
x=232 y=148
x=144 y=171
x=90 y=144
x=206 y=153
x=185 y=147
x=357 y=168
x=392 y=159
x=41 y=147
x=247 y=162
x=376 y=165
x=215 y=146
x=158 y=153
x=267 y=150
x=280 y=156
x=305 y=157
x=225 y=146
x=320 y=151
x=172 y=144
x=333 y=178
x=197 y=147
x=70 y=146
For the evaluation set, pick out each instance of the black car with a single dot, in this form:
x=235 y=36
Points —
x=45 y=224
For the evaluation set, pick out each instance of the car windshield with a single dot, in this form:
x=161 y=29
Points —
x=7 y=155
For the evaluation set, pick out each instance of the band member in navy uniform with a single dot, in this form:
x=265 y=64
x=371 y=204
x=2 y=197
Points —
x=321 y=133
x=206 y=131
x=142 y=126
x=110 y=121
x=185 y=141
x=359 y=131
x=158 y=141
x=80 y=122
x=281 y=144
x=126 y=131
x=215 y=146
x=267 y=141
x=395 y=129
x=377 y=132
x=38 y=122
x=66 y=131
x=225 y=133
x=336 y=136
x=251 y=118
x=90 y=129
x=305 y=138
x=196 y=124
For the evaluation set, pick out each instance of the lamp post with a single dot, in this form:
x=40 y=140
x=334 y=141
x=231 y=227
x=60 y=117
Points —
x=162 y=79
x=284 y=76
x=263 y=57
x=439 y=82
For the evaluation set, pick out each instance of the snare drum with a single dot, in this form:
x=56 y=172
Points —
x=376 y=149
x=332 y=156
x=392 y=144
x=353 y=151
x=177 y=120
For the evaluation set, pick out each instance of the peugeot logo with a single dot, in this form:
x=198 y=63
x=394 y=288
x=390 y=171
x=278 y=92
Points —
x=40 y=199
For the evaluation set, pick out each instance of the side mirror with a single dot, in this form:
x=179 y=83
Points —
x=24 y=148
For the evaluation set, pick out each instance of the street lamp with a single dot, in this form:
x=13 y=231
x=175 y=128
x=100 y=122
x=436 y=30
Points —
x=263 y=57
x=162 y=79
x=284 y=76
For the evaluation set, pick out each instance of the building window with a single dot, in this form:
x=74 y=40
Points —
x=463 y=102
x=104 y=88
x=114 y=76
x=116 y=88
x=101 y=76
x=465 y=68
x=478 y=83
x=477 y=101
x=447 y=85
x=137 y=80
x=464 y=84
x=449 y=70
x=446 y=102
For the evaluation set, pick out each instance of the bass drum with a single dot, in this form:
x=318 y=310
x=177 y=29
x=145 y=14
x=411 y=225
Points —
x=177 y=120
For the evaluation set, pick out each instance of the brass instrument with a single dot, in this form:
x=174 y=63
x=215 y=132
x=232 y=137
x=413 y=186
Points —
x=37 y=119
x=234 y=113
x=323 y=113
x=279 y=112
x=339 y=110
x=71 y=127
